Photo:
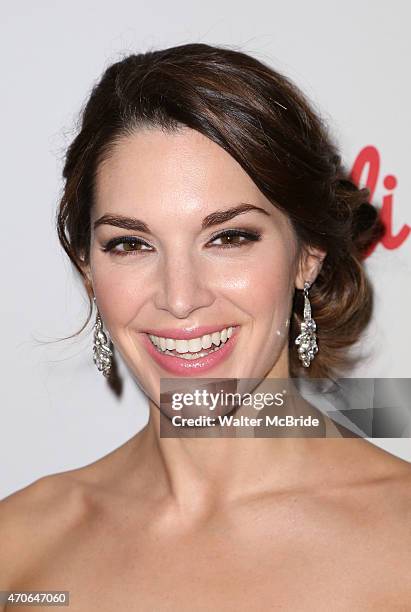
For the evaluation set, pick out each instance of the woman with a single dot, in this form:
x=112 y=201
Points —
x=204 y=201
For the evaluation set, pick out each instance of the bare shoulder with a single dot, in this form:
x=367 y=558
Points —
x=385 y=493
x=373 y=486
x=386 y=510
x=41 y=519
x=34 y=518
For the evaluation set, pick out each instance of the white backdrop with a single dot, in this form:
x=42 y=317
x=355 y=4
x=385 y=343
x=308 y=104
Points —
x=351 y=58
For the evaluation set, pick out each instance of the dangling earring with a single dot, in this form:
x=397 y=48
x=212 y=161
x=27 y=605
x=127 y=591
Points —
x=102 y=354
x=307 y=339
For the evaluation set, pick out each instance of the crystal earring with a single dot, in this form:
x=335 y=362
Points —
x=307 y=340
x=102 y=354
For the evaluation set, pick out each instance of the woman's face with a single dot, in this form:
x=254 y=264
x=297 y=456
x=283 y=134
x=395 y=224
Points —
x=179 y=275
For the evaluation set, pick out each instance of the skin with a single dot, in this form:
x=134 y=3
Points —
x=218 y=524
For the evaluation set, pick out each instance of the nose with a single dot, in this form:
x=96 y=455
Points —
x=183 y=286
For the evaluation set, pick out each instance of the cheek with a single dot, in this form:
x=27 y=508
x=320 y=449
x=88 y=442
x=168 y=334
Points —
x=120 y=289
x=261 y=285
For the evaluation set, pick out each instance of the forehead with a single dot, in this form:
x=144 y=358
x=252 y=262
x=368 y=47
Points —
x=180 y=174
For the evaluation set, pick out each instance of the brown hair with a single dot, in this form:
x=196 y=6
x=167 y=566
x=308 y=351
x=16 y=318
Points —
x=265 y=123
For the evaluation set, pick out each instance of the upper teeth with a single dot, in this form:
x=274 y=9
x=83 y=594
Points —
x=194 y=344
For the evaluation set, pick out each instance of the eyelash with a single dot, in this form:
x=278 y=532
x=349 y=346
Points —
x=109 y=246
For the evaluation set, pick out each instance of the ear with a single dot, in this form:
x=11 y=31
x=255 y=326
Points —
x=309 y=265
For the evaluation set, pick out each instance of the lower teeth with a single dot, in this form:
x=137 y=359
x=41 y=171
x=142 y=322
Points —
x=190 y=356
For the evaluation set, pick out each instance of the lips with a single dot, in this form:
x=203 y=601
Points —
x=192 y=367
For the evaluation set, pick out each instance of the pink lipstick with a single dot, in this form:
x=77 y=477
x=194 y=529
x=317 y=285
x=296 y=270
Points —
x=190 y=367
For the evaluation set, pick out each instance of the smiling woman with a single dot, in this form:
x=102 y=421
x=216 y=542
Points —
x=178 y=271
x=218 y=234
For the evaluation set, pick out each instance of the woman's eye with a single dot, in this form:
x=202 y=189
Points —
x=231 y=238
x=130 y=246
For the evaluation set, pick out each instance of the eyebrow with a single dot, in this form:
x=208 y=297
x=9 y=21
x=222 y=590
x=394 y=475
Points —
x=214 y=218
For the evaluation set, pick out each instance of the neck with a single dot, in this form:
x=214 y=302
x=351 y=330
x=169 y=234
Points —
x=211 y=471
x=199 y=474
